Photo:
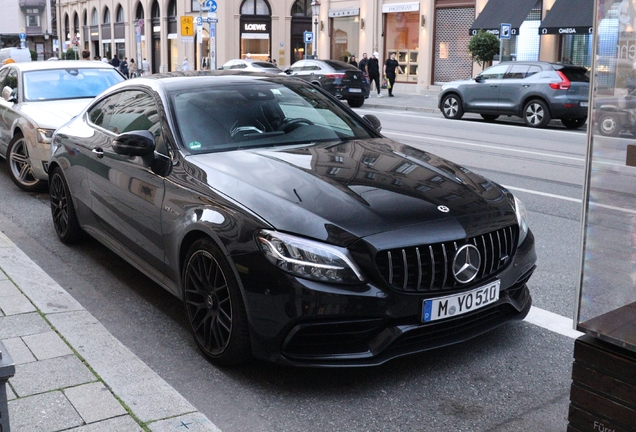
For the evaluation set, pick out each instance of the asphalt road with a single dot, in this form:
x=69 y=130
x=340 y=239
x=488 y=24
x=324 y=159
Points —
x=515 y=378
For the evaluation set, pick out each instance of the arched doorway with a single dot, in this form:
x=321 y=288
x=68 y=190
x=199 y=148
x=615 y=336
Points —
x=256 y=23
x=300 y=23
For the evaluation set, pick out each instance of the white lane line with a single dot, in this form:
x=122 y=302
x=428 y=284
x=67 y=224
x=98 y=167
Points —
x=553 y=322
x=508 y=149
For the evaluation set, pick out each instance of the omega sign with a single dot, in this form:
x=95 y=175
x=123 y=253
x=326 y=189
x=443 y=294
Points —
x=255 y=28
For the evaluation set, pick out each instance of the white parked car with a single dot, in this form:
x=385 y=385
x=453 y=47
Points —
x=37 y=98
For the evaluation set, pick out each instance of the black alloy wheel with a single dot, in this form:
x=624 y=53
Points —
x=608 y=125
x=452 y=107
x=573 y=123
x=214 y=305
x=20 y=169
x=536 y=114
x=355 y=103
x=65 y=221
x=490 y=117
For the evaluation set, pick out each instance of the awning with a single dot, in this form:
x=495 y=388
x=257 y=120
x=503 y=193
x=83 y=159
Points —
x=569 y=17
x=513 y=12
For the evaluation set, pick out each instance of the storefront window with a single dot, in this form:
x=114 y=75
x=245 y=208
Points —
x=256 y=30
x=403 y=39
x=345 y=39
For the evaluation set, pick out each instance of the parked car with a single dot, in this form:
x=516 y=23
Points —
x=340 y=79
x=290 y=228
x=251 y=66
x=615 y=114
x=534 y=91
x=37 y=98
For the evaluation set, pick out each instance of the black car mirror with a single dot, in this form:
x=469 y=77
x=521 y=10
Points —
x=135 y=143
x=373 y=121
x=288 y=71
x=479 y=78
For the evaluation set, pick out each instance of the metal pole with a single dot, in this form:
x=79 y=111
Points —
x=316 y=37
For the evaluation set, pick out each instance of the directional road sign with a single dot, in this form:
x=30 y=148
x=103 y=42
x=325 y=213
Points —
x=187 y=26
x=504 y=31
x=308 y=37
x=210 y=5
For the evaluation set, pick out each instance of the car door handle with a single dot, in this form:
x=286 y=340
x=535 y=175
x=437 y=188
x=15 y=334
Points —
x=99 y=152
x=525 y=85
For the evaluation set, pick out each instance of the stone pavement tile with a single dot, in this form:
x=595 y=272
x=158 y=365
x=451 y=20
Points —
x=16 y=304
x=7 y=287
x=22 y=325
x=43 y=413
x=10 y=393
x=47 y=345
x=50 y=374
x=194 y=422
x=118 y=424
x=94 y=402
x=147 y=395
x=18 y=350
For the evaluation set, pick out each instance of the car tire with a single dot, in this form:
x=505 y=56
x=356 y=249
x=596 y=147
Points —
x=489 y=117
x=355 y=103
x=573 y=123
x=608 y=125
x=214 y=305
x=65 y=220
x=452 y=107
x=20 y=169
x=536 y=114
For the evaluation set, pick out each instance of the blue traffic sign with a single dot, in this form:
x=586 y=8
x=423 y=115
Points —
x=22 y=35
x=199 y=21
x=504 y=31
x=210 y=5
x=308 y=37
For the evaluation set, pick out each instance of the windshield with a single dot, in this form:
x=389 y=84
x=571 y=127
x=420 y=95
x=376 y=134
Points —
x=72 y=83
x=261 y=114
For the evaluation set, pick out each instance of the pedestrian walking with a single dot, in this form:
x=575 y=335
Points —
x=363 y=63
x=373 y=70
x=185 y=66
x=145 y=67
x=123 y=67
x=133 y=68
x=114 y=62
x=390 y=65
x=352 y=60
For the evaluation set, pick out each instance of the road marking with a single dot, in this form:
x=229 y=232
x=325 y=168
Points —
x=553 y=322
x=492 y=147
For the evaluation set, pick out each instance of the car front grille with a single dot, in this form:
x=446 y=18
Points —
x=428 y=268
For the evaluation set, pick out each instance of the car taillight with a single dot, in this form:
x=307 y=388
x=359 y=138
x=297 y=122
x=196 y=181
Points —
x=565 y=84
x=335 y=75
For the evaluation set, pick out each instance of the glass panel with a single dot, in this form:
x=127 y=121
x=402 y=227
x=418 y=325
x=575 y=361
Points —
x=346 y=37
x=607 y=295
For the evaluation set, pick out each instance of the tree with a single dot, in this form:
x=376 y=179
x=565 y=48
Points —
x=483 y=47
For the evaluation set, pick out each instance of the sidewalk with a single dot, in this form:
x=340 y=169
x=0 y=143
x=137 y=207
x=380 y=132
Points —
x=424 y=101
x=70 y=372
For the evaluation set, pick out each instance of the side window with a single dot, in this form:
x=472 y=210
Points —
x=3 y=77
x=12 y=79
x=298 y=66
x=533 y=70
x=517 y=72
x=135 y=111
x=495 y=72
x=101 y=113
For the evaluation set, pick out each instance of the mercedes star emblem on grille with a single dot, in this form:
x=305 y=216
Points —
x=466 y=263
x=443 y=209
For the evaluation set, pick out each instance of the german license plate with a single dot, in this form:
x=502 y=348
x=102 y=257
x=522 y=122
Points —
x=355 y=90
x=584 y=104
x=458 y=304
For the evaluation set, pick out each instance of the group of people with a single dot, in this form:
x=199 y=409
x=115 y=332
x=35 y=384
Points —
x=371 y=66
x=128 y=68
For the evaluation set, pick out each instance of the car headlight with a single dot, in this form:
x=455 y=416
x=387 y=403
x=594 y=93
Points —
x=308 y=259
x=520 y=210
x=45 y=135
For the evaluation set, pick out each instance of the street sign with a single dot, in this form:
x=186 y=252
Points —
x=199 y=21
x=308 y=37
x=504 y=31
x=22 y=36
x=210 y=5
x=187 y=26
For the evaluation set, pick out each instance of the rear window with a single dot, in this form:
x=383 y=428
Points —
x=576 y=74
x=338 y=65
x=265 y=65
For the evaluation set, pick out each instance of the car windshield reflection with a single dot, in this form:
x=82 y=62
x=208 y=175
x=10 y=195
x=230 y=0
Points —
x=72 y=83
x=260 y=115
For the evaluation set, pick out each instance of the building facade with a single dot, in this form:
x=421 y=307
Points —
x=429 y=37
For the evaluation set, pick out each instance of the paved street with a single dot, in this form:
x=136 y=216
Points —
x=73 y=373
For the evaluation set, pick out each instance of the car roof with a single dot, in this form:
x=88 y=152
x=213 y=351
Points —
x=60 y=64
x=544 y=64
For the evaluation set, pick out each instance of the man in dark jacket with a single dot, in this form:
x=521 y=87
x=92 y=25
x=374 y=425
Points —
x=115 y=61
x=373 y=70
x=363 y=63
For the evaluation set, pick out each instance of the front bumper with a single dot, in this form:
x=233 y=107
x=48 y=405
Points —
x=304 y=323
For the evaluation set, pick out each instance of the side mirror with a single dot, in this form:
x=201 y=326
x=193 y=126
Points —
x=135 y=143
x=9 y=94
x=288 y=71
x=479 y=78
x=373 y=121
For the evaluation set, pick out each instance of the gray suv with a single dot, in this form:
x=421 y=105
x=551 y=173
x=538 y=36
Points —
x=535 y=91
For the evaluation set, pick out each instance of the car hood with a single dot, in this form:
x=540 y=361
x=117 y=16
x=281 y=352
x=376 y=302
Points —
x=342 y=192
x=53 y=114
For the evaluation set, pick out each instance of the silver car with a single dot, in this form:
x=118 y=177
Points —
x=251 y=65
x=535 y=91
x=37 y=98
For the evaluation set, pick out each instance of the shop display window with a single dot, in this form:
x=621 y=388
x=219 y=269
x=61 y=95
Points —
x=402 y=38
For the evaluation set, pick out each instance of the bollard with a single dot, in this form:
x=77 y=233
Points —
x=7 y=370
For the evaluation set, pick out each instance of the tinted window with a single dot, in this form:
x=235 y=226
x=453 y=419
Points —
x=265 y=65
x=495 y=72
x=575 y=74
x=338 y=65
x=533 y=70
x=136 y=111
x=101 y=113
x=517 y=72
